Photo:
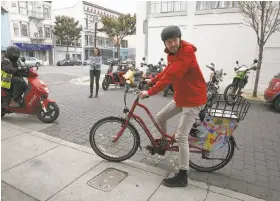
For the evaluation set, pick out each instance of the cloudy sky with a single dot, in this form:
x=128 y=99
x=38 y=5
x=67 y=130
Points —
x=123 y=6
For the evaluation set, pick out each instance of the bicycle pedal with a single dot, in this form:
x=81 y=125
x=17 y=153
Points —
x=151 y=149
x=160 y=151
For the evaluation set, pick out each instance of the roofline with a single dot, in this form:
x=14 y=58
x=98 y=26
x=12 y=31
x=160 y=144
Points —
x=100 y=7
x=3 y=10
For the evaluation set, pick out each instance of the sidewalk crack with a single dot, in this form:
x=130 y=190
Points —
x=208 y=190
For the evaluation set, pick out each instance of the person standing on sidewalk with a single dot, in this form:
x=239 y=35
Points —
x=190 y=95
x=95 y=71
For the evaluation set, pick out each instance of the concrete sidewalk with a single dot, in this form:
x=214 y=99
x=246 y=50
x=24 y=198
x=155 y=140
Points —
x=36 y=167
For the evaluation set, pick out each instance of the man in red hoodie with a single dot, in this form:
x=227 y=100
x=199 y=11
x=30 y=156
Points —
x=190 y=95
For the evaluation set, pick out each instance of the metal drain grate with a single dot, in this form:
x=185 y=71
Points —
x=108 y=179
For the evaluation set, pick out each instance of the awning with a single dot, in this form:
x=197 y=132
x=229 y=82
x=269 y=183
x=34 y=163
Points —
x=34 y=47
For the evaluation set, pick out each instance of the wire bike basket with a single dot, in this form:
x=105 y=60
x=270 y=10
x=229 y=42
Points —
x=223 y=106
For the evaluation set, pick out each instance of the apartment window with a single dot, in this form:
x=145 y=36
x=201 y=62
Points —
x=47 y=32
x=24 y=31
x=14 y=4
x=40 y=31
x=16 y=29
x=22 y=7
x=167 y=6
x=46 y=12
x=124 y=44
x=209 y=5
x=86 y=23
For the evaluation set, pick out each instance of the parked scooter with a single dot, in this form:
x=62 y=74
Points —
x=215 y=78
x=240 y=80
x=114 y=78
x=133 y=76
x=153 y=70
x=35 y=99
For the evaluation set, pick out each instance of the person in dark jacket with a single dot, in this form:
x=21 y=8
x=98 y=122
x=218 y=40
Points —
x=190 y=96
x=95 y=70
x=11 y=77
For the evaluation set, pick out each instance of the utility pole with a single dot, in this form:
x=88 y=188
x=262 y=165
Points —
x=96 y=20
x=95 y=32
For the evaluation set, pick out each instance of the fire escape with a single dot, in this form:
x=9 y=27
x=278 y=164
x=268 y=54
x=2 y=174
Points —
x=36 y=16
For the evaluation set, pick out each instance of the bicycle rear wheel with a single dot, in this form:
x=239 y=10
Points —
x=197 y=162
x=122 y=149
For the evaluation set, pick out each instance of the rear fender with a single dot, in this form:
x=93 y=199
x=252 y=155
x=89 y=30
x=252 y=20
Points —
x=46 y=101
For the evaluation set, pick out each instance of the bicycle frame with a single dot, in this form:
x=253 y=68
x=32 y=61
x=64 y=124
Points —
x=147 y=131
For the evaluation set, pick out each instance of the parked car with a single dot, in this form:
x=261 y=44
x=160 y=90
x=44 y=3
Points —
x=272 y=93
x=69 y=62
x=86 y=62
x=108 y=61
x=31 y=61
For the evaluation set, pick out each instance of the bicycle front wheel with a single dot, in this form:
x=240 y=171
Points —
x=214 y=160
x=101 y=139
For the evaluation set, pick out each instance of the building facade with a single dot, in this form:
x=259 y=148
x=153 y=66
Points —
x=218 y=31
x=5 y=27
x=86 y=13
x=30 y=28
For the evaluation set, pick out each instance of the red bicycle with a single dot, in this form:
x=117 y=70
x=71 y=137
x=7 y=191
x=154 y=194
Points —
x=217 y=121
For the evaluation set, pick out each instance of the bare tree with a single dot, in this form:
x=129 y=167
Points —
x=264 y=18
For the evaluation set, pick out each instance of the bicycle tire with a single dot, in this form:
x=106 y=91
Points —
x=136 y=139
x=219 y=166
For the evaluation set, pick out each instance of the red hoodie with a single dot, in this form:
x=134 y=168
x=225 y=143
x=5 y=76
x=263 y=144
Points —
x=184 y=74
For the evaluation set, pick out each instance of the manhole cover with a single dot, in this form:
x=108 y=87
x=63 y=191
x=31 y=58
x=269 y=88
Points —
x=108 y=179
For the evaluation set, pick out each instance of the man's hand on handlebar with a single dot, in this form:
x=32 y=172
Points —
x=22 y=68
x=143 y=94
x=148 y=81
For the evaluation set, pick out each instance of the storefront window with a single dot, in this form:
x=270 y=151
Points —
x=42 y=55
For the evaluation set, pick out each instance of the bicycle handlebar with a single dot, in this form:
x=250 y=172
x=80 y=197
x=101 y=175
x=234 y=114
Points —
x=136 y=91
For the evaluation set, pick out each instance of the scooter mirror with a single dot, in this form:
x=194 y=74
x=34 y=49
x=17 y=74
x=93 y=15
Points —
x=161 y=59
x=143 y=58
x=23 y=59
x=255 y=61
x=159 y=63
x=37 y=68
x=225 y=74
x=212 y=64
x=237 y=62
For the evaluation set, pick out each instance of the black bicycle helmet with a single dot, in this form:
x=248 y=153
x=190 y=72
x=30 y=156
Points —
x=13 y=52
x=170 y=32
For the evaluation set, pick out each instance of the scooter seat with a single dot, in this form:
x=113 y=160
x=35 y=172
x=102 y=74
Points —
x=138 y=73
